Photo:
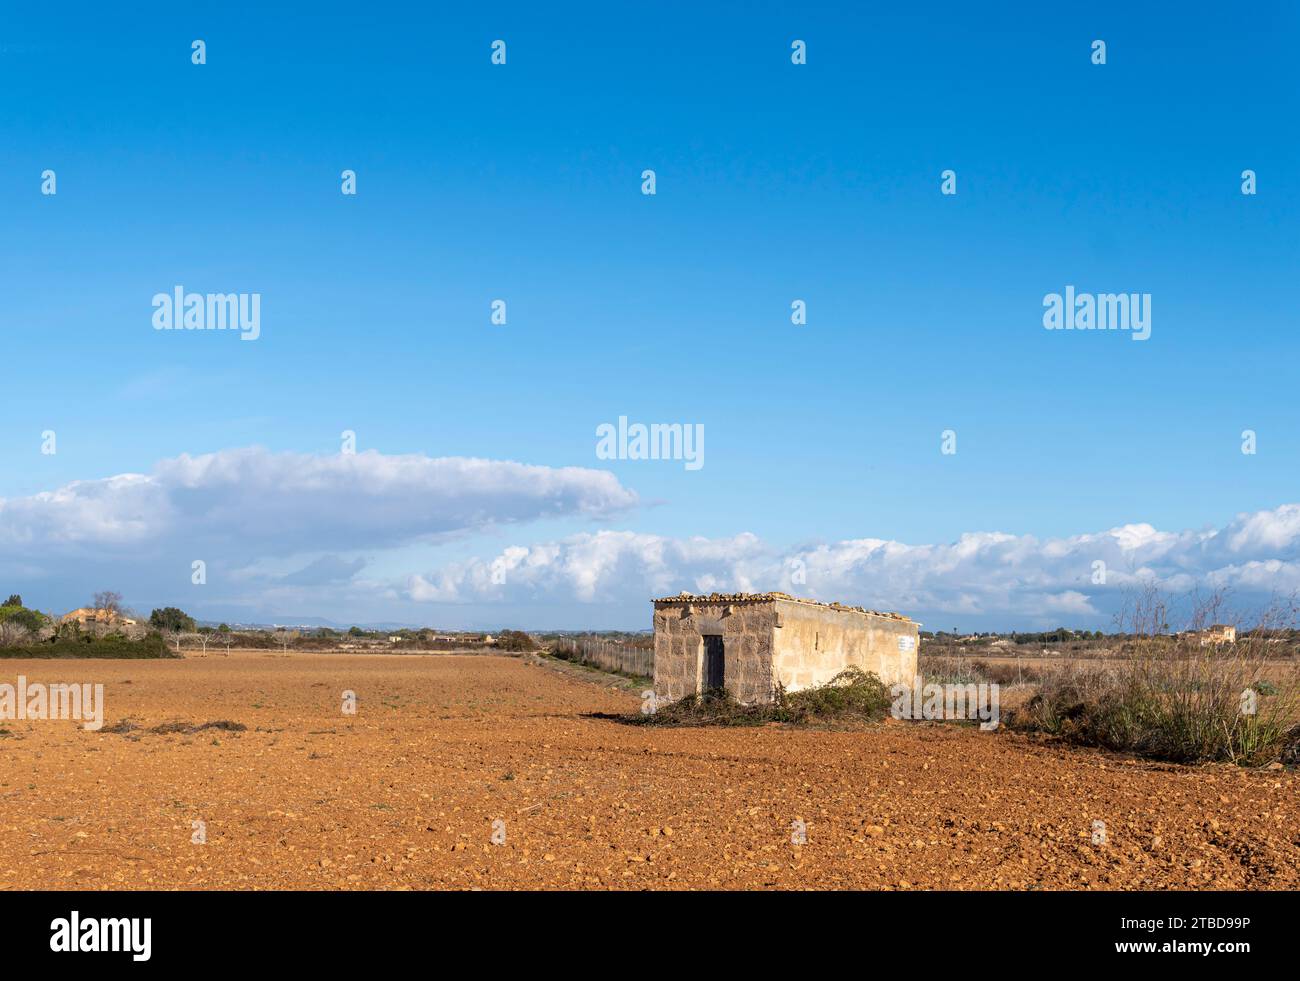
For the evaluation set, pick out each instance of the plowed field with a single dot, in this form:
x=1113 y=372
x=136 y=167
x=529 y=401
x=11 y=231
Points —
x=446 y=753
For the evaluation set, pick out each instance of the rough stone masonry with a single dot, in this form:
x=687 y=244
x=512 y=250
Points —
x=753 y=643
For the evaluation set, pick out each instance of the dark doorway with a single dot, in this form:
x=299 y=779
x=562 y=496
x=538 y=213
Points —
x=714 y=663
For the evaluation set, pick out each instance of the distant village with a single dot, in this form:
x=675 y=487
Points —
x=106 y=620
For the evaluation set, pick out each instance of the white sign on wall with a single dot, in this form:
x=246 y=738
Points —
x=906 y=644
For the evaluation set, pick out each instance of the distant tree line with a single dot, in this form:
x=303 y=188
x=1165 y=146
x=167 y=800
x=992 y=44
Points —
x=1061 y=635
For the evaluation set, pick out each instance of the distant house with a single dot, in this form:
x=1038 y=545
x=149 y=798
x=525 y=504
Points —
x=1217 y=633
x=98 y=623
x=85 y=616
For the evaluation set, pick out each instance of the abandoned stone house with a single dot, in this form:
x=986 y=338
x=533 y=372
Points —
x=86 y=616
x=97 y=623
x=754 y=643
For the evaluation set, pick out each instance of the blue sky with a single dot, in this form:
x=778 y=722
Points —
x=774 y=182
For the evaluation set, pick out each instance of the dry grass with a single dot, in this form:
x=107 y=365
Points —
x=947 y=669
x=1174 y=699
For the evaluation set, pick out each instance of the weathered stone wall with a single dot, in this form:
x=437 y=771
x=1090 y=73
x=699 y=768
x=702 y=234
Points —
x=813 y=643
x=746 y=628
x=772 y=639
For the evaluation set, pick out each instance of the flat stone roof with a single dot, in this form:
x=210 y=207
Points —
x=769 y=597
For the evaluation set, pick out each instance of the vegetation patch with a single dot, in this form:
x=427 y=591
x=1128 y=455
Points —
x=853 y=695
x=111 y=646
x=126 y=726
x=1186 y=707
x=189 y=729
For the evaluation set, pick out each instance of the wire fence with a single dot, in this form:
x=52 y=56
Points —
x=608 y=655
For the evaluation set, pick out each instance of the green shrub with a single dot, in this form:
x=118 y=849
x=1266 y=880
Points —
x=852 y=695
x=515 y=640
x=111 y=646
x=28 y=619
x=169 y=618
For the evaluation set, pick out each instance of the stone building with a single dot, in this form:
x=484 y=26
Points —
x=86 y=616
x=97 y=623
x=754 y=643
x=1217 y=633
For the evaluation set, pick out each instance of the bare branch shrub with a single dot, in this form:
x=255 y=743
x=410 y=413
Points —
x=1174 y=696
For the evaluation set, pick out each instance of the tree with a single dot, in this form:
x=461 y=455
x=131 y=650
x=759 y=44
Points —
x=13 y=633
x=107 y=600
x=285 y=637
x=13 y=600
x=29 y=620
x=171 y=620
x=515 y=640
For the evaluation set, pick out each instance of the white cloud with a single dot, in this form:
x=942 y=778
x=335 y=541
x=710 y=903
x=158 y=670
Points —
x=254 y=503
x=982 y=575
x=604 y=566
x=276 y=530
x=294 y=533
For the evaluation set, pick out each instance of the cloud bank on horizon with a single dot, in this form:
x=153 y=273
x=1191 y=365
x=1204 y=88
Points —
x=982 y=578
x=326 y=517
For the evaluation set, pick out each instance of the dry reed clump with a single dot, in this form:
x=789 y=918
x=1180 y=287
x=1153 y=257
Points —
x=1173 y=698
